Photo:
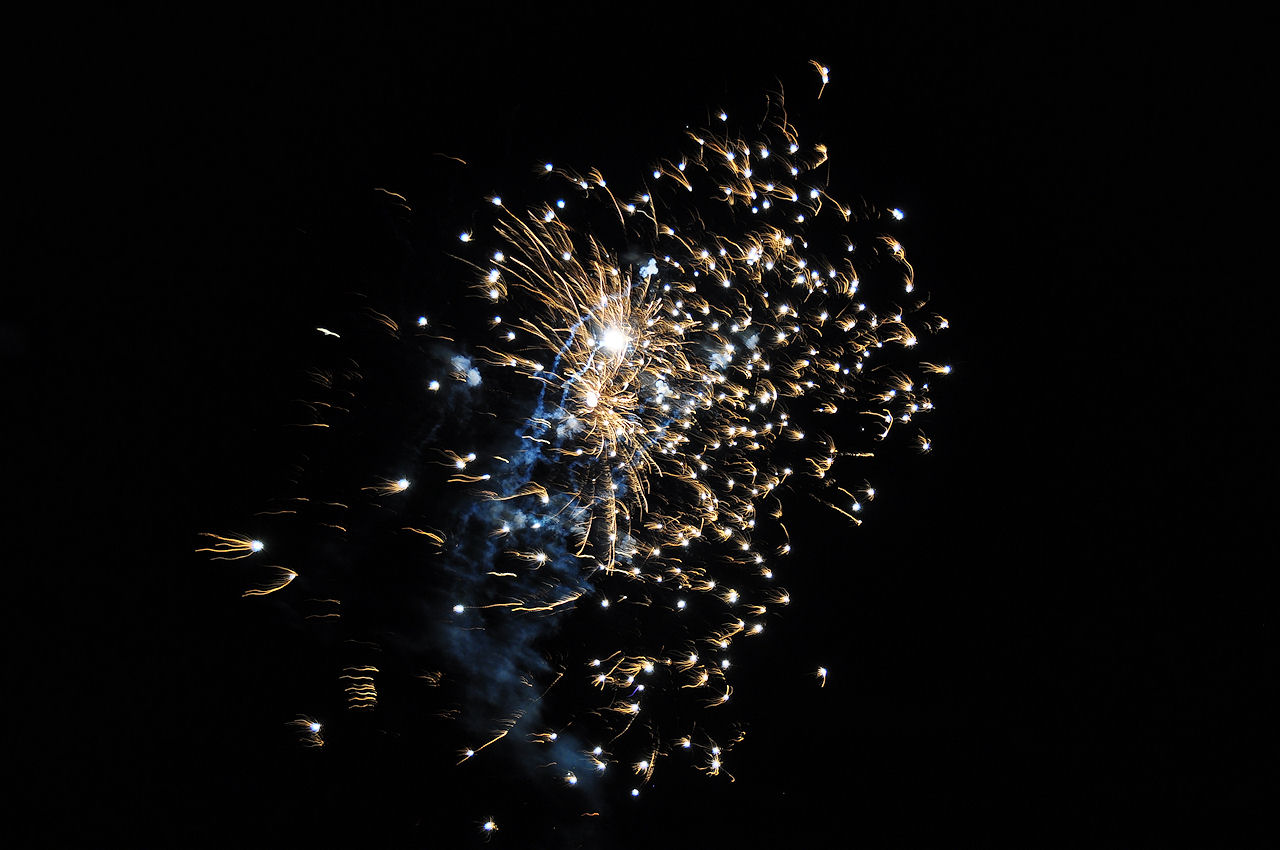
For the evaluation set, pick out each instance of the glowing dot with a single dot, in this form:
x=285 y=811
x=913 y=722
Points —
x=615 y=339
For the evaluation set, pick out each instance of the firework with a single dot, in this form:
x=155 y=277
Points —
x=591 y=504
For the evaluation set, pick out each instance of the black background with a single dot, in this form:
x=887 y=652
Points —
x=1069 y=651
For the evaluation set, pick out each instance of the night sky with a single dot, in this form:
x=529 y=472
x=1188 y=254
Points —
x=1068 y=650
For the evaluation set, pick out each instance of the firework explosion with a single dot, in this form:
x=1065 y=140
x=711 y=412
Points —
x=586 y=507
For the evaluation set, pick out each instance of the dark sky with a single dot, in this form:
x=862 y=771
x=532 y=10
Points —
x=1068 y=652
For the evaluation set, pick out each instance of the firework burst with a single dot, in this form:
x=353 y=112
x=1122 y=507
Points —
x=590 y=509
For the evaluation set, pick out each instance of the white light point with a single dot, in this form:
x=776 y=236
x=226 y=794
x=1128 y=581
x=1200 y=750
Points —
x=614 y=339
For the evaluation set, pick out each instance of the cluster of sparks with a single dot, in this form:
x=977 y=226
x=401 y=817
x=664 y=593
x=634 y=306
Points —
x=680 y=392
